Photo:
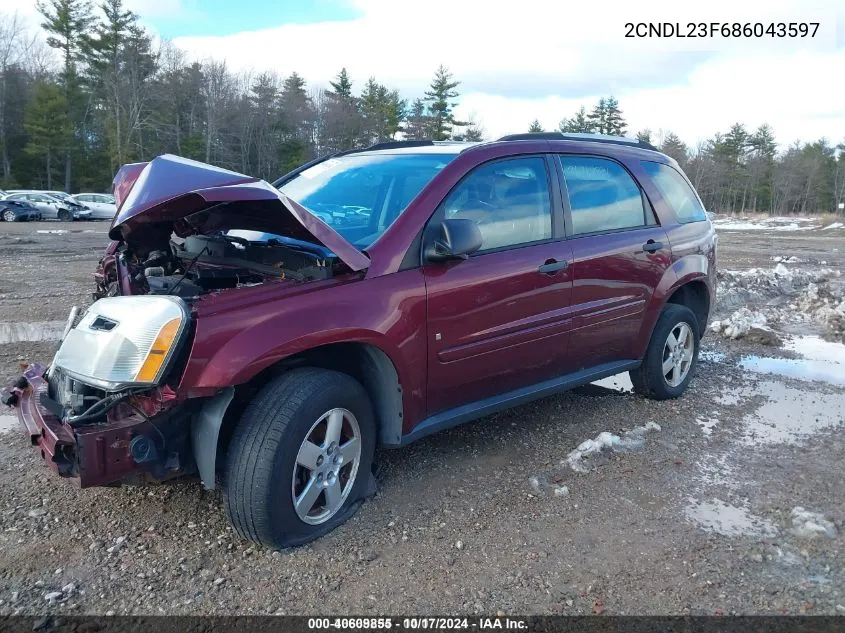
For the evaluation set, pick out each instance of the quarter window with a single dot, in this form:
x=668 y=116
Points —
x=602 y=195
x=675 y=191
x=508 y=199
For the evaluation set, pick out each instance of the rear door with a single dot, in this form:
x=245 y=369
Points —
x=499 y=320
x=620 y=255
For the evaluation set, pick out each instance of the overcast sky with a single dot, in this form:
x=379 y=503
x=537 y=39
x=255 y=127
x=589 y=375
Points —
x=518 y=60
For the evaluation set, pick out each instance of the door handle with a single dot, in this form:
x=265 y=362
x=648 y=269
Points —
x=651 y=246
x=552 y=266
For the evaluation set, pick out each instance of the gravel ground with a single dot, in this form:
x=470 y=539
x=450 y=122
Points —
x=699 y=519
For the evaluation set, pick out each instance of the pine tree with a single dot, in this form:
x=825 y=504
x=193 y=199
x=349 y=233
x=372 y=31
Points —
x=614 y=122
x=48 y=125
x=644 y=136
x=535 y=126
x=673 y=147
x=580 y=123
x=67 y=23
x=417 y=123
x=440 y=104
x=598 y=117
x=341 y=86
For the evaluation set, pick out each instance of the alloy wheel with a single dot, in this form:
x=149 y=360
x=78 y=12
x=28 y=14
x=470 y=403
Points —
x=326 y=466
x=678 y=352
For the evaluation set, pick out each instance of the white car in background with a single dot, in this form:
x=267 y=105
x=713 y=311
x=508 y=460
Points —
x=101 y=204
x=51 y=206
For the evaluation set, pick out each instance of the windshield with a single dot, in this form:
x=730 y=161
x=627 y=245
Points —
x=361 y=195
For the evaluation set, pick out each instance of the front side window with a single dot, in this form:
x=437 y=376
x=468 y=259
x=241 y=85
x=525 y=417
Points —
x=508 y=199
x=361 y=195
x=675 y=191
x=602 y=195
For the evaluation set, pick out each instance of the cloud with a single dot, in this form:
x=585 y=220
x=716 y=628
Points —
x=544 y=58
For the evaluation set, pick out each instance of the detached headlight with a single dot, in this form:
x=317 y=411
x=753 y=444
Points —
x=124 y=341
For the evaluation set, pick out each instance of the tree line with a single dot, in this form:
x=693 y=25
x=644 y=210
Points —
x=738 y=171
x=97 y=93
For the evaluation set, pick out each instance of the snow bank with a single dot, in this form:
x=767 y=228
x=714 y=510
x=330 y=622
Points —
x=835 y=225
x=779 y=295
x=728 y=223
x=606 y=442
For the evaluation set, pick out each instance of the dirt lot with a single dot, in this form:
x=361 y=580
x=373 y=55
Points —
x=734 y=505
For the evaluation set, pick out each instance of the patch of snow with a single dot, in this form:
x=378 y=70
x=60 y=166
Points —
x=835 y=225
x=739 y=323
x=787 y=260
x=726 y=519
x=606 y=442
x=811 y=524
x=52 y=231
x=765 y=224
x=15 y=332
x=707 y=425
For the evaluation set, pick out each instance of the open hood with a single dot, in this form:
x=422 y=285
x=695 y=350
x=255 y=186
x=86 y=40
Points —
x=195 y=197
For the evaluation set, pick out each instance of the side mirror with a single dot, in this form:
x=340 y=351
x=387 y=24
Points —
x=458 y=240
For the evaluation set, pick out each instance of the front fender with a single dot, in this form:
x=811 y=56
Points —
x=690 y=268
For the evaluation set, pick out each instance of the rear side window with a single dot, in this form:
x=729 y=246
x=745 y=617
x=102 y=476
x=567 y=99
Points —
x=602 y=195
x=675 y=191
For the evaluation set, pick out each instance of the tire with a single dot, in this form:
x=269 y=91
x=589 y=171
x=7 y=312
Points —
x=9 y=215
x=649 y=379
x=65 y=216
x=262 y=474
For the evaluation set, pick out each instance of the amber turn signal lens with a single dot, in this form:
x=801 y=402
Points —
x=158 y=353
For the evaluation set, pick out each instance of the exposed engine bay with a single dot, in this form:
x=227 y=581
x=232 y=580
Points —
x=199 y=264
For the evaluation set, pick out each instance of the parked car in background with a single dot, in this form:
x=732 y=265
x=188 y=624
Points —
x=50 y=206
x=236 y=334
x=101 y=204
x=18 y=211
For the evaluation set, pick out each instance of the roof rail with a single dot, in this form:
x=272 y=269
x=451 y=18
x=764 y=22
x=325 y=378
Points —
x=579 y=136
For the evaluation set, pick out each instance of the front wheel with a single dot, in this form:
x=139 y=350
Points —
x=65 y=216
x=9 y=215
x=300 y=459
x=671 y=357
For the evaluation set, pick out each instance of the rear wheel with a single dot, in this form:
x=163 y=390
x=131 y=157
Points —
x=65 y=215
x=9 y=215
x=671 y=357
x=300 y=459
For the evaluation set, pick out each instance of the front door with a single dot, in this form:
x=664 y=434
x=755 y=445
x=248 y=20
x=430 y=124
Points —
x=620 y=255
x=499 y=320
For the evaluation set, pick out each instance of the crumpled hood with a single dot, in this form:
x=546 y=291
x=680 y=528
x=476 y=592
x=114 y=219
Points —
x=199 y=198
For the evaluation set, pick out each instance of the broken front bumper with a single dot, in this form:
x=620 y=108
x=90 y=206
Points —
x=98 y=454
x=53 y=440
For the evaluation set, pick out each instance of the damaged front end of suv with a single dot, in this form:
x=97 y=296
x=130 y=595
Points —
x=127 y=398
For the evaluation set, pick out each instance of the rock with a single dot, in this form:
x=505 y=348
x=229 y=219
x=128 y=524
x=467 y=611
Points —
x=369 y=556
x=69 y=588
x=53 y=597
x=109 y=613
x=36 y=513
x=219 y=581
x=459 y=545
x=840 y=608
x=763 y=336
x=39 y=583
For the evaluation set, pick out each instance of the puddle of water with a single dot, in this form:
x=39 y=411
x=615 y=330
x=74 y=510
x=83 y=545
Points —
x=789 y=414
x=52 y=231
x=9 y=424
x=726 y=519
x=39 y=331
x=822 y=361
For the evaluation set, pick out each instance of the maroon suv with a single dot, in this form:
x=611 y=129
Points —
x=274 y=335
